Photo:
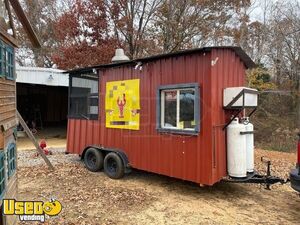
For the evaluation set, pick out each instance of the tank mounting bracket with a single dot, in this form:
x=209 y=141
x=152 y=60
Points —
x=242 y=105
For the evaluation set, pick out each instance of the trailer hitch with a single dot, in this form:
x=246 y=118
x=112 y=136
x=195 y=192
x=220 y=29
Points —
x=267 y=179
x=256 y=178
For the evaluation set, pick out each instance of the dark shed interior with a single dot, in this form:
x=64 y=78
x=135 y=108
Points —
x=46 y=106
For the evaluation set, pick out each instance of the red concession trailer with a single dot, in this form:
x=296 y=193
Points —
x=163 y=114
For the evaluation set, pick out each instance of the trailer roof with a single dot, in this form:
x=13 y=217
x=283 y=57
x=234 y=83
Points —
x=239 y=51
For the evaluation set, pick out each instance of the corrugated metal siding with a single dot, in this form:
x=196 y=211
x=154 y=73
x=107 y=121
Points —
x=190 y=158
x=229 y=71
x=37 y=75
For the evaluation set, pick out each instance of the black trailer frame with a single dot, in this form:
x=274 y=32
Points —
x=256 y=178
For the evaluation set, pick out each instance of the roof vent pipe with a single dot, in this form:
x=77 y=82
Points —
x=120 y=56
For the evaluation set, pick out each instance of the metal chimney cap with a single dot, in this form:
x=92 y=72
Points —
x=120 y=56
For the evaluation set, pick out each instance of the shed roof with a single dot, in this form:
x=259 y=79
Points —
x=42 y=76
x=238 y=50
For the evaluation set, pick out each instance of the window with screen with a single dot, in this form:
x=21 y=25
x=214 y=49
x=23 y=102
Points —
x=11 y=159
x=7 y=64
x=10 y=63
x=83 y=96
x=178 y=108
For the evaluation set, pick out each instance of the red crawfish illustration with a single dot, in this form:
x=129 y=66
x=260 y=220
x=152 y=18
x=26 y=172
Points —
x=121 y=104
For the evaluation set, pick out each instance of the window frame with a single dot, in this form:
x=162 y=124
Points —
x=2 y=174
x=2 y=60
x=11 y=160
x=87 y=76
x=10 y=65
x=160 y=109
x=7 y=61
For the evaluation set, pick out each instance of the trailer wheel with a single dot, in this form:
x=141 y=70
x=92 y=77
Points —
x=93 y=160
x=114 y=166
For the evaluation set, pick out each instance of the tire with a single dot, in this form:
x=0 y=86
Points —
x=114 y=166
x=93 y=159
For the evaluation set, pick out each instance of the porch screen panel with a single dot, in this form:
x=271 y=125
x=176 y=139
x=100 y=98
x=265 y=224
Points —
x=83 y=98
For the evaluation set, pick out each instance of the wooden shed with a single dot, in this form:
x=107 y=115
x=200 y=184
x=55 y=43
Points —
x=162 y=114
x=8 y=122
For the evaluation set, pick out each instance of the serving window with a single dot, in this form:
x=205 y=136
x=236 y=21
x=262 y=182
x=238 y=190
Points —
x=178 y=108
x=83 y=96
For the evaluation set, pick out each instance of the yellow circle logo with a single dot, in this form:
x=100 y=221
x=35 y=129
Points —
x=52 y=208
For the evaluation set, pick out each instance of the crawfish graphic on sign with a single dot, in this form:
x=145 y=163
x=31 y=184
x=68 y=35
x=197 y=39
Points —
x=122 y=104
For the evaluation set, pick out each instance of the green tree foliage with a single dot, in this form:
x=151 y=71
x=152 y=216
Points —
x=260 y=79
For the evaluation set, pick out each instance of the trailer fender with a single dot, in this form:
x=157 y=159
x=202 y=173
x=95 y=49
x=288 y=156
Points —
x=105 y=151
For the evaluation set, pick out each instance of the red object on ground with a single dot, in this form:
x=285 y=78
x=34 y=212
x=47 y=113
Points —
x=200 y=158
x=43 y=146
x=46 y=151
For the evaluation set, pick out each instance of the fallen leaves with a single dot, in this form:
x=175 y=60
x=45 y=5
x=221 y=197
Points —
x=281 y=162
x=86 y=197
x=93 y=198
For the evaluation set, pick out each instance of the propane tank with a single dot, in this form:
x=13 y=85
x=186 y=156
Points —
x=236 y=150
x=249 y=144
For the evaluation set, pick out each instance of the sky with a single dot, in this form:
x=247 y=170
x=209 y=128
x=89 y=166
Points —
x=259 y=6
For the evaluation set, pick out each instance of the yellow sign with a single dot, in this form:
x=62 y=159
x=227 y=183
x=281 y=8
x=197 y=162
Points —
x=122 y=104
x=31 y=210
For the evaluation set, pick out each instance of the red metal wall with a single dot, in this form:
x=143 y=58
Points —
x=229 y=71
x=201 y=158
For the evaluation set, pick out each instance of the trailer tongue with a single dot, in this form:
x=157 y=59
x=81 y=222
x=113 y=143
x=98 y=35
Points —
x=295 y=173
x=256 y=178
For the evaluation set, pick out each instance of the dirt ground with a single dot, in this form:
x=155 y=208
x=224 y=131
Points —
x=55 y=137
x=144 y=198
x=25 y=143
